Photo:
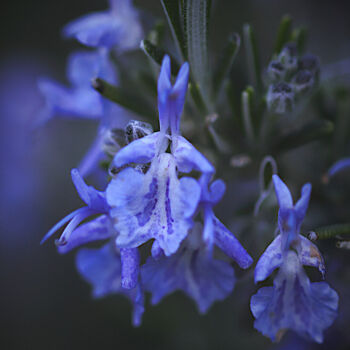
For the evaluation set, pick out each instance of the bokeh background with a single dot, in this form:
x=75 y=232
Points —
x=44 y=304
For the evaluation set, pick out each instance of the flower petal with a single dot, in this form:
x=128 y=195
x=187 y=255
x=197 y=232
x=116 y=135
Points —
x=81 y=102
x=269 y=260
x=94 y=230
x=130 y=259
x=229 y=244
x=94 y=199
x=309 y=254
x=188 y=158
x=283 y=195
x=96 y=29
x=303 y=203
x=339 y=166
x=202 y=278
x=101 y=268
x=139 y=151
x=155 y=205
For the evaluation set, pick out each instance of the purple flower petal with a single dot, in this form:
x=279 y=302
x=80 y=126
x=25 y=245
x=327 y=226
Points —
x=309 y=255
x=155 y=205
x=229 y=244
x=283 y=195
x=270 y=260
x=130 y=259
x=202 y=278
x=139 y=151
x=94 y=230
x=188 y=158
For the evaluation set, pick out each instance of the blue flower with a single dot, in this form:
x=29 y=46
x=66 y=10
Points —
x=158 y=204
x=118 y=27
x=103 y=269
x=109 y=269
x=80 y=100
x=95 y=204
x=293 y=302
x=191 y=270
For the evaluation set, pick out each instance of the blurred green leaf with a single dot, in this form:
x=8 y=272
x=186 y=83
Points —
x=252 y=56
x=283 y=34
x=128 y=100
x=311 y=131
x=156 y=35
x=247 y=107
x=172 y=11
x=299 y=37
x=157 y=54
x=331 y=231
x=225 y=63
x=198 y=98
x=196 y=31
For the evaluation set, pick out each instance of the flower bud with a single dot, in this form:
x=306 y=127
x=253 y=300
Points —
x=280 y=97
x=136 y=130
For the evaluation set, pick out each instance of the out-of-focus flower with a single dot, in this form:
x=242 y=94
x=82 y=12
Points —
x=339 y=166
x=290 y=77
x=102 y=268
x=192 y=270
x=81 y=101
x=293 y=302
x=119 y=27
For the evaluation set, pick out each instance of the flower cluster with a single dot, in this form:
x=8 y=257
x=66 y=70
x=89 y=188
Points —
x=289 y=78
x=114 y=31
x=293 y=302
x=149 y=198
x=159 y=199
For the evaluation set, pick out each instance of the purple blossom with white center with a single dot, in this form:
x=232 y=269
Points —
x=293 y=302
x=119 y=27
x=158 y=204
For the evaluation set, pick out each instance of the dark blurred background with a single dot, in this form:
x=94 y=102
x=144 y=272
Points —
x=44 y=304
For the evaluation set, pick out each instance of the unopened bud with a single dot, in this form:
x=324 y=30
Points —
x=136 y=130
x=280 y=97
x=303 y=81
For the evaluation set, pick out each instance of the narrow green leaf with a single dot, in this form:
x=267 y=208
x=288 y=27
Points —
x=252 y=57
x=299 y=36
x=233 y=100
x=283 y=34
x=173 y=9
x=268 y=167
x=157 y=54
x=198 y=98
x=196 y=26
x=331 y=231
x=225 y=62
x=156 y=35
x=312 y=131
x=247 y=103
x=125 y=99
